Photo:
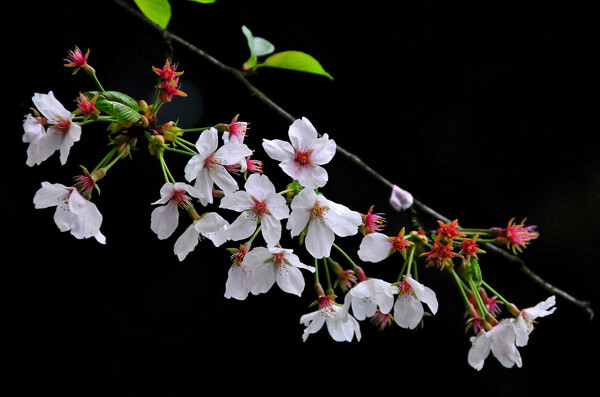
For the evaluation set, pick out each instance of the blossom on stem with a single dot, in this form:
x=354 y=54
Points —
x=441 y=255
x=400 y=199
x=258 y=203
x=235 y=131
x=54 y=131
x=238 y=274
x=500 y=340
x=449 y=232
x=88 y=106
x=341 y=325
x=524 y=321
x=323 y=220
x=303 y=156
x=73 y=212
x=470 y=249
x=275 y=265
x=165 y=218
x=370 y=296
x=211 y=225
x=208 y=166
x=516 y=237
x=408 y=309
x=167 y=73
x=376 y=247
x=76 y=59
x=168 y=89
x=371 y=223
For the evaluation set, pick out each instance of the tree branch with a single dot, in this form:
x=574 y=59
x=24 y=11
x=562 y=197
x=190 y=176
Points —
x=357 y=161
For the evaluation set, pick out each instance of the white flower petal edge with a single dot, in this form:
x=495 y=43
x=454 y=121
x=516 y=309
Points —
x=324 y=218
x=374 y=247
x=370 y=294
x=212 y=226
x=207 y=167
x=500 y=340
x=408 y=309
x=303 y=157
x=524 y=322
x=342 y=327
x=73 y=212
x=272 y=265
x=62 y=132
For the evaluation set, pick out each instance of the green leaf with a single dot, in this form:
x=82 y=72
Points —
x=123 y=113
x=116 y=96
x=203 y=1
x=295 y=60
x=257 y=45
x=158 y=11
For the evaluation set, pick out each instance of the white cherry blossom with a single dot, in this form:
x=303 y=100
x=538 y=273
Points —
x=500 y=340
x=238 y=275
x=370 y=294
x=211 y=225
x=524 y=322
x=207 y=168
x=408 y=309
x=165 y=218
x=73 y=212
x=303 y=156
x=61 y=132
x=275 y=265
x=258 y=203
x=341 y=325
x=324 y=219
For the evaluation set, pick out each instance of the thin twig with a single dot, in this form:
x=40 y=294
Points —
x=357 y=161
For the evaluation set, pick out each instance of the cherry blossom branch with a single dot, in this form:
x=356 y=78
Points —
x=242 y=77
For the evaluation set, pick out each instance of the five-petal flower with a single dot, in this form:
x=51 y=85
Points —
x=303 y=157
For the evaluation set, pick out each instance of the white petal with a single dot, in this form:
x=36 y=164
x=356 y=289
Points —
x=242 y=227
x=424 y=294
x=223 y=179
x=302 y=133
x=210 y=223
x=186 y=242
x=233 y=153
x=408 y=311
x=323 y=150
x=479 y=350
x=164 y=220
x=374 y=247
x=237 y=201
x=278 y=150
x=342 y=220
x=259 y=186
x=289 y=279
x=271 y=230
x=319 y=239
x=49 y=195
x=207 y=143
x=235 y=286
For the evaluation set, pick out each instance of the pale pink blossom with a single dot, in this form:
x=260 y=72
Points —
x=211 y=225
x=55 y=131
x=303 y=156
x=524 y=322
x=207 y=168
x=73 y=212
x=500 y=340
x=341 y=325
x=275 y=265
x=408 y=309
x=165 y=218
x=259 y=203
x=323 y=220
x=400 y=199
x=371 y=294
x=238 y=275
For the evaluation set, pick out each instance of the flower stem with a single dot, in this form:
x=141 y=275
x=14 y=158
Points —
x=166 y=173
x=495 y=293
x=345 y=255
x=461 y=288
x=97 y=81
x=249 y=242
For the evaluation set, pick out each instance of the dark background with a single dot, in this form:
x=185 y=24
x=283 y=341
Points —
x=484 y=113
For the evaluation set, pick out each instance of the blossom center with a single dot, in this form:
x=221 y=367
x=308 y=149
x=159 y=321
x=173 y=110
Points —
x=303 y=156
x=62 y=127
x=179 y=197
x=259 y=208
x=318 y=211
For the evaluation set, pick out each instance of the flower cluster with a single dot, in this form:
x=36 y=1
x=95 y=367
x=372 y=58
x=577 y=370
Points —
x=229 y=199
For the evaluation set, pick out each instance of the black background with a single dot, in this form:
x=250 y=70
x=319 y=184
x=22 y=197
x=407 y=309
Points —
x=484 y=113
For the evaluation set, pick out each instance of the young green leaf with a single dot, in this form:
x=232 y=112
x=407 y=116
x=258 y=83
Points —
x=295 y=60
x=123 y=113
x=203 y=1
x=115 y=96
x=257 y=45
x=158 y=11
